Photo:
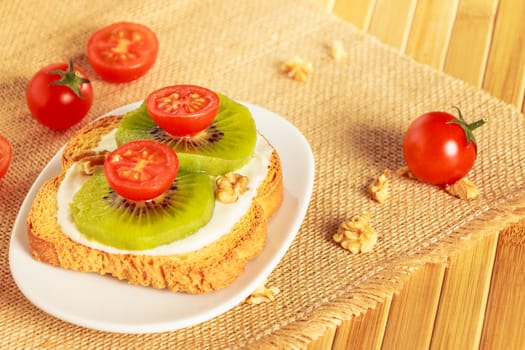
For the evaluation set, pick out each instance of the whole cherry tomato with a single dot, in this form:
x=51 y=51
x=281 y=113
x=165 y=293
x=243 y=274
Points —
x=183 y=110
x=59 y=95
x=122 y=51
x=440 y=148
x=6 y=153
x=141 y=170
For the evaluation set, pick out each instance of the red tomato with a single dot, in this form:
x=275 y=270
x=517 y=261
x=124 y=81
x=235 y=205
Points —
x=141 y=170
x=59 y=95
x=122 y=51
x=183 y=110
x=6 y=153
x=439 y=148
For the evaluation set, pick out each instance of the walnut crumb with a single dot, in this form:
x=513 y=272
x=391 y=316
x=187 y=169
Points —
x=297 y=68
x=262 y=294
x=230 y=186
x=356 y=235
x=379 y=188
x=463 y=189
x=338 y=51
x=405 y=172
x=89 y=161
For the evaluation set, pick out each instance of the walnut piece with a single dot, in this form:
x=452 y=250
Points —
x=463 y=189
x=379 y=188
x=338 y=51
x=297 y=68
x=230 y=186
x=89 y=161
x=356 y=235
x=262 y=295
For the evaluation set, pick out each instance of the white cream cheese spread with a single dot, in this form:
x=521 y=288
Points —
x=224 y=215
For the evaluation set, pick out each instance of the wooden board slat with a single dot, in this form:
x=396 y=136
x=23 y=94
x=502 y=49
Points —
x=505 y=73
x=470 y=40
x=327 y=5
x=357 y=12
x=464 y=296
x=505 y=316
x=325 y=341
x=391 y=21
x=414 y=308
x=364 y=331
x=430 y=31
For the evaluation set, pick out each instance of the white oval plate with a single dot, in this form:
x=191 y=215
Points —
x=107 y=304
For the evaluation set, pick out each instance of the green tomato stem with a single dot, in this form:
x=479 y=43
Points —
x=70 y=78
x=477 y=124
x=468 y=128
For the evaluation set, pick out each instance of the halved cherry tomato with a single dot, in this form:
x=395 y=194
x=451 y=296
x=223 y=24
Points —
x=183 y=110
x=439 y=148
x=6 y=153
x=141 y=170
x=122 y=51
x=59 y=95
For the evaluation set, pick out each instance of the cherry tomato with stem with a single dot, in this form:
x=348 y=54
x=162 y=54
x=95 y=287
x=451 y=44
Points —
x=6 y=153
x=122 y=51
x=59 y=95
x=141 y=170
x=183 y=110
x=440 y=148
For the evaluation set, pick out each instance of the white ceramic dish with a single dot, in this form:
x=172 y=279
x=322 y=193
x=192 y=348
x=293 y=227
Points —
x=104 y=303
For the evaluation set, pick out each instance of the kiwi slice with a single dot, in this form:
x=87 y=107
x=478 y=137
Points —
x=103 y=216
x=226 y=145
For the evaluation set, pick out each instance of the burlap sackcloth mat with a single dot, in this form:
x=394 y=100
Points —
x=353 y=113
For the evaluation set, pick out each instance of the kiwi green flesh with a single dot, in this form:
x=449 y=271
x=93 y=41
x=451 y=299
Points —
x=225 y=146
x=103 y=216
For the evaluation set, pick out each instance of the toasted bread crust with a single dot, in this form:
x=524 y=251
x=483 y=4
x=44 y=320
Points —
x=270 y=192
x=210 y=268
x=88 y=137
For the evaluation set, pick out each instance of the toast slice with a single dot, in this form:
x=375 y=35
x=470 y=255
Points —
x=212 y=267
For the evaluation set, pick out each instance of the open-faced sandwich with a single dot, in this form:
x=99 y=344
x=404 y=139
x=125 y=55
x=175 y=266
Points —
x=174 y=194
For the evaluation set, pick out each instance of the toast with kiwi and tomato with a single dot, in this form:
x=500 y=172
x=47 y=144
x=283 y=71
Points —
x=174 y=194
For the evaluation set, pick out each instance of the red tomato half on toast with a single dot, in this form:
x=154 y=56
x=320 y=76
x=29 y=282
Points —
x=141 y=170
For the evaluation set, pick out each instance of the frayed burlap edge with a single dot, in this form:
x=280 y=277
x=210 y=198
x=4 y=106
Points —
x=369 y=292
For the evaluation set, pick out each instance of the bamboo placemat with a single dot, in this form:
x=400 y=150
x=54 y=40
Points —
x=352 y=112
